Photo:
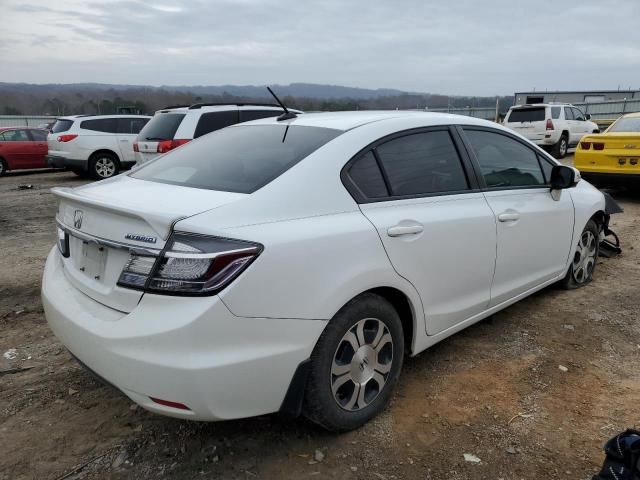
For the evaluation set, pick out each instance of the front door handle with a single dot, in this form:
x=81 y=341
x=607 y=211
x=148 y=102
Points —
x=509 y=217
x=399 y=230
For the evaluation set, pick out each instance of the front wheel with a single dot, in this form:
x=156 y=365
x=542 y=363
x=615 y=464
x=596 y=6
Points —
x=355 y=364
x=584 y=259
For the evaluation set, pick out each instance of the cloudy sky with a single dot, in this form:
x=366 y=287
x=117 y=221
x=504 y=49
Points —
x=470 y=47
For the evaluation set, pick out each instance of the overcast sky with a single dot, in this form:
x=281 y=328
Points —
x=473 y=47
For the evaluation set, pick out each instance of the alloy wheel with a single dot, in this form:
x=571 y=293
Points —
x=105 y=167
x=584 y=259
x=563 y=147
x=361 y=364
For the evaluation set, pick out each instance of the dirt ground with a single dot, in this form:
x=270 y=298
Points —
x=495 y=390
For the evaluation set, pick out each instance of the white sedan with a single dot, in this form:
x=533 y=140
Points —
x=290 y=265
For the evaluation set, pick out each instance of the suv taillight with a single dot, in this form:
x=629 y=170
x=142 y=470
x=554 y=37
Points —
x=135 y=147
x=66 y=138
x=165 y=145
x=549 y=124
x=191 y=265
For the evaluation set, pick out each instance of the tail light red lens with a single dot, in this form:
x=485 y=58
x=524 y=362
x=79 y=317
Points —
x=598 y=146
x=166 y=145
x=169 y=403
x=192 y=265
x=67 y=137
x=585 y=145
x=549 y=124
x=135 y=147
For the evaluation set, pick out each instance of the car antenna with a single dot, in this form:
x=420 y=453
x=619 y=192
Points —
x=287 y=115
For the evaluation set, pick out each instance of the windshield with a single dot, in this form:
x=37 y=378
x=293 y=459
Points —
x=527 y=115
x=161 y=127
x=626 y=124
x=238 y=159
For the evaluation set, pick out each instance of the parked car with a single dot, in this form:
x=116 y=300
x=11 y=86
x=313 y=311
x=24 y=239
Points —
x=611 y=158
x=553 y=126
x=174 y=126
x=22 y=147
x=290 y=265
x=95 y=145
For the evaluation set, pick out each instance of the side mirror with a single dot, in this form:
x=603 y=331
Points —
x=564 y=177
x=587 y=116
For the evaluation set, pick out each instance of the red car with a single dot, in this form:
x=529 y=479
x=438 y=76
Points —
x=22 y=147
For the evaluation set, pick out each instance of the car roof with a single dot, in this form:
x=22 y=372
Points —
x=89 y=117
x=22 y=127
x=349 y=120
x=212 y=107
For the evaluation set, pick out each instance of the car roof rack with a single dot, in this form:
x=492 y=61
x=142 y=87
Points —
x=220 y=104
x=174 y=106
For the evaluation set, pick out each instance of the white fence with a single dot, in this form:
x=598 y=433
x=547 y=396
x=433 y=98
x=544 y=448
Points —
x=24 y=120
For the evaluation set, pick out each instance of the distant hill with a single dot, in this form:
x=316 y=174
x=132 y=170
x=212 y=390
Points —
x=90 y=98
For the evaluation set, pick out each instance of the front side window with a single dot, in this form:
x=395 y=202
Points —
x=212 y=121
x=578 y=115
x=105 y=125
x=38 y=135
x=422 y=163
x=568 y=113
x=505 y=162
x=241 y=159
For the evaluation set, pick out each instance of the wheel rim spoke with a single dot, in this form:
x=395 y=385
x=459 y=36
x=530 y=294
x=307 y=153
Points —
x=338 y=369
x=340 y=381
x=352 y=340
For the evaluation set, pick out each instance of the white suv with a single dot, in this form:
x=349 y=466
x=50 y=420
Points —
x=553 y=126
x=97 y=145
x=175 y=126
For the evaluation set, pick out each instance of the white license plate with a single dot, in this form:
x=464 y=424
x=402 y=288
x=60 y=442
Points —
x=93 y=260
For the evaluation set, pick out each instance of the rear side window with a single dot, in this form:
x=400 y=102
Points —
x=505 y=162
x=422 y=163
x=162 y=126
x=212 y=121
x=535 y=114
x=106 y=125
x=555 y=112
x=248 y=115
x=367 y=177
x=38 y=135
x=241 y=159
x=132 y=125
x=61 y=126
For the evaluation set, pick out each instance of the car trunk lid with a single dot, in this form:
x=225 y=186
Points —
x=107 y=220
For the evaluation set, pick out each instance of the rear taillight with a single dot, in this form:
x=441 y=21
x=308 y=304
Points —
x=135 y=147
x=67 y=137
x=598 y=146
x=585 y=145
x=192 y=265
x=165 y=145
x=549 y=124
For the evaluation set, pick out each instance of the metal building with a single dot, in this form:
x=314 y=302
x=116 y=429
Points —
x=595 y=96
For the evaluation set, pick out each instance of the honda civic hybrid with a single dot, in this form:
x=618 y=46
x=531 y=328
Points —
x=290 y=264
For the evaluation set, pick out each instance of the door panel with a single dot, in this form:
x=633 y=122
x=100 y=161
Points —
x=446 y=247
x=17 y=148
x=534 y=238
x=39 y=148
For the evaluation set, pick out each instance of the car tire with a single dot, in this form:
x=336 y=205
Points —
x=584 y=260
x=346 y=386
x=103 y=165
x=3 y=167
x=561 y=147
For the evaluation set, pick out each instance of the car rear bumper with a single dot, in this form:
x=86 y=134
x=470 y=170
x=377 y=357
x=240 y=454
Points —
x=611 y=179
x=56 y=161
x=190 y=350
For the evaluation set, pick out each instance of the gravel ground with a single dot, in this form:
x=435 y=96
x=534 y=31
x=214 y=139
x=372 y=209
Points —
x=495 y=391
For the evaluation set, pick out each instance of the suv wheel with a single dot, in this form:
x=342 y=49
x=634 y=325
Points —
x=560 y=148
x=103 y=165
x=355 y=364
x=584 y=259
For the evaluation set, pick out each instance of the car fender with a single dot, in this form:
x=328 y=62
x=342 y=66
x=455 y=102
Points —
x=587 y=201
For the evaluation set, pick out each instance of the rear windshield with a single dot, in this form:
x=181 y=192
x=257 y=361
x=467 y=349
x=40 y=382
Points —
x=238 y=159
x=629 y=124
x=527 y=115
x=161 y=127
x=61 y=126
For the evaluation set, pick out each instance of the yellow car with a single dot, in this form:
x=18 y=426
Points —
x=612 y=157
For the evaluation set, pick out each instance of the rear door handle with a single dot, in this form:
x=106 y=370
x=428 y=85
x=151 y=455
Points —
x=509 y=217
x=399 y=230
